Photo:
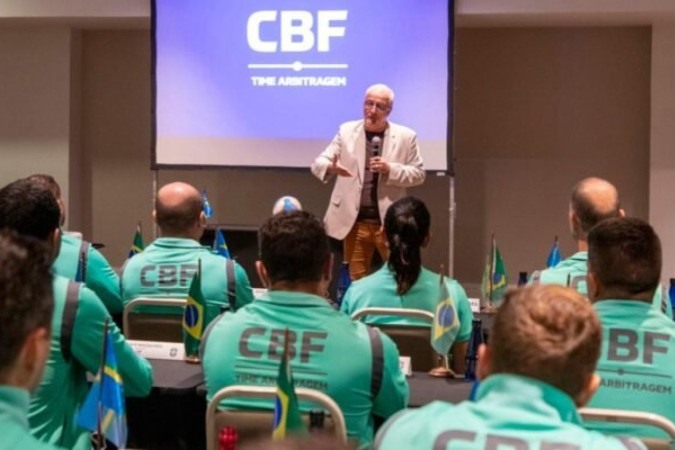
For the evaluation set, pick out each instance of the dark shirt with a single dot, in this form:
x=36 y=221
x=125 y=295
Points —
x=368 y=210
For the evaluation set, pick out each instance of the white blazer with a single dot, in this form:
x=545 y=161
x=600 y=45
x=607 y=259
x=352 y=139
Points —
x=399 y=149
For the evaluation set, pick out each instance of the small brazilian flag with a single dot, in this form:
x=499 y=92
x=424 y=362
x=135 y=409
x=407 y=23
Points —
x=495 y=280
x=287 y=419
x=446 y=322
x=220 y=246
x=137 y=245
x=193 y=316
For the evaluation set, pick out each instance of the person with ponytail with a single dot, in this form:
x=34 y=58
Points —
x=403 y=282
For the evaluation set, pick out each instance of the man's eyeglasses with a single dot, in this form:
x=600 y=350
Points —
x=382 y=107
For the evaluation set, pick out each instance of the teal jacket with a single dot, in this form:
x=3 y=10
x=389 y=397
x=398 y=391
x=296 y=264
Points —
x=637 y=364
x=576 y=268
x=166 y=267
x=379 y=291
x=511 y=412
x=64 y=384
x=355 y=365
x=14 y=421
x=95 y=273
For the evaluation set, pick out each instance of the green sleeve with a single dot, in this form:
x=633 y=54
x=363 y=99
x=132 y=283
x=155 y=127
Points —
x=463 y=312
x=393 y=395
x=346 y=306
x=103 y=280
x=87 y=345
x=242 y=289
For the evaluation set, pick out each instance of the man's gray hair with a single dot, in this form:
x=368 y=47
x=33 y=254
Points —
x=382 y=88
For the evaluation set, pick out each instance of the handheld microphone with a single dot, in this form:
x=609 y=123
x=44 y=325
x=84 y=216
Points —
x=377 y=145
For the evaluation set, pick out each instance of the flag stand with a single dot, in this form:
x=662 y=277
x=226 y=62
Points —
x=443 y=369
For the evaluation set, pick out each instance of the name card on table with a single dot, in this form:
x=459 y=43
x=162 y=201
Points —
x=406 y=365
x=475 y=305
x=259 y=292
x=158 y=350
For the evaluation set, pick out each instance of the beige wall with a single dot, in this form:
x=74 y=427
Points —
x=35 y=102
x=537 y=110
x=662 y=180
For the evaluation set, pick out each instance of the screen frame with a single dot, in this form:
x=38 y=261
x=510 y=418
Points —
x=450 y=143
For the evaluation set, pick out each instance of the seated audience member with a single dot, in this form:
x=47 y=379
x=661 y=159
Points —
x=26 y=308
x=637 y=363
x=536 y=370
x=355 y=365
x=79 y=261
x=403 y=282
x=77 y=328
x=593 y=200
x=166 y=267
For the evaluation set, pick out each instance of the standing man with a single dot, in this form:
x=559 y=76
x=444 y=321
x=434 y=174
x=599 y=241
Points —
x=375 y=161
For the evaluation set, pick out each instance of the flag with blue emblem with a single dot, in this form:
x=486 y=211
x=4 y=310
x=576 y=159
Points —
x=208 y=211
x=103 y=409
x=220 y=246
x=287 y=419
x=495 y=280
x=137 y=245
x=288 y=204
x=446 y=323
x=554 y=257
x=193 y=316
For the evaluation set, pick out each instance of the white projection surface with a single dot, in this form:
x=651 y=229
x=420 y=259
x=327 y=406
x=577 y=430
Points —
x=266 y=83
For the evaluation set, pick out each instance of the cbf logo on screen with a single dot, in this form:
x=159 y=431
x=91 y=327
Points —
x=297 y=30
x=295 y=33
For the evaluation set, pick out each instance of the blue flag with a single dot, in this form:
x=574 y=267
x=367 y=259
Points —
x=220 y=246
x=106 y=397
x=554 y=257
x=208 y=211
x=343 y=283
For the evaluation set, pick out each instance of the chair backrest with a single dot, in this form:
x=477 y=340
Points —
x=146 y=326
x=251 y=424
x=413 y=341
x=635 y=417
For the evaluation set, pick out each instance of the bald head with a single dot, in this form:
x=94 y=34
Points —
x=593 y=200
x=179 y=211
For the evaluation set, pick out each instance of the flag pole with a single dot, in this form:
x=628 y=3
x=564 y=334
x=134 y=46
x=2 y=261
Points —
x=100 y=442
x=492 y=270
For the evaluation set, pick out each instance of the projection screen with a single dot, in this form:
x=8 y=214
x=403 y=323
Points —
x=266 y=83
